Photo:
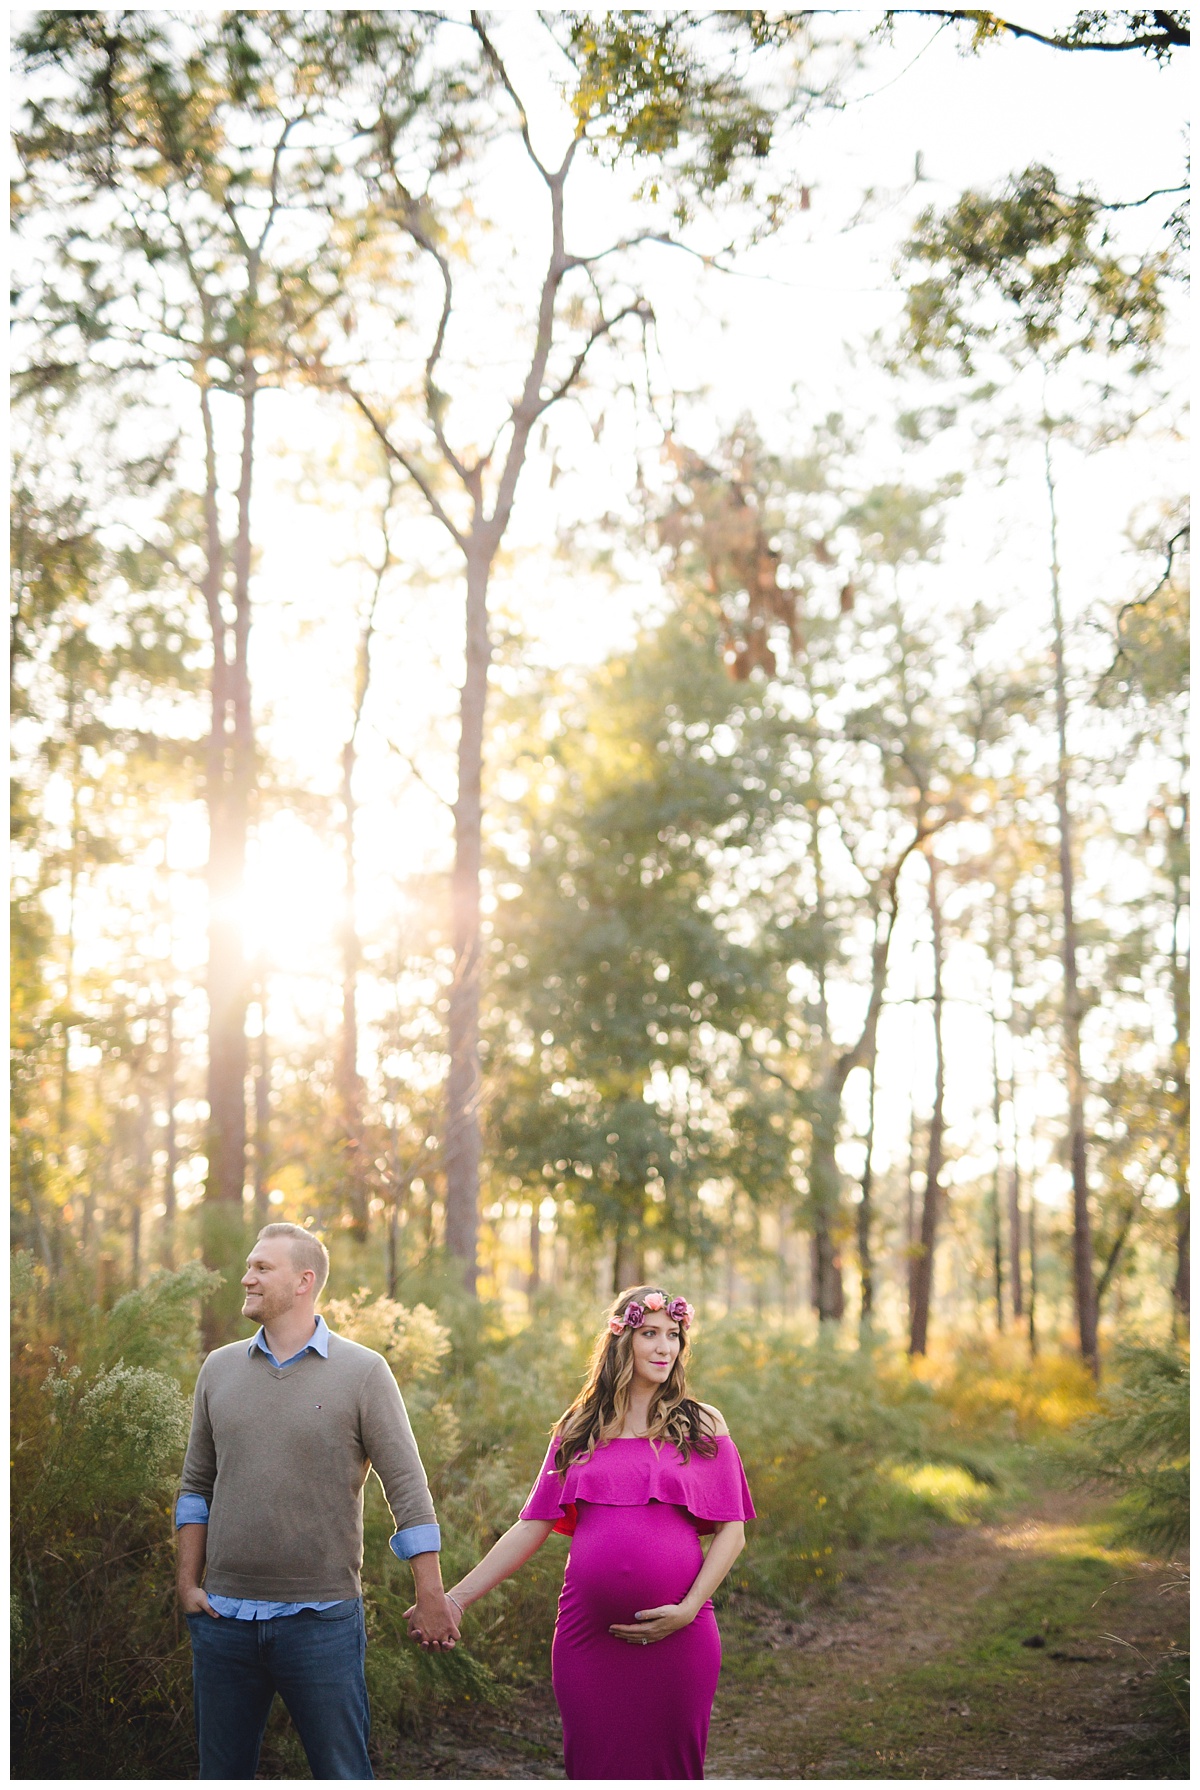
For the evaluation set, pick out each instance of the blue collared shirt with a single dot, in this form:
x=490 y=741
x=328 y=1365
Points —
x=422 y=1538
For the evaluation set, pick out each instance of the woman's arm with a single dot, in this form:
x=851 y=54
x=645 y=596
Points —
x=655 y=1625
x=514 y=1548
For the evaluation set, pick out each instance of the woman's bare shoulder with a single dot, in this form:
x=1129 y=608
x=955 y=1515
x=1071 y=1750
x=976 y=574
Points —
x=721 y=1427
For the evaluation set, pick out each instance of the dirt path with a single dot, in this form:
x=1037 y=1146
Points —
x=1023 y=1648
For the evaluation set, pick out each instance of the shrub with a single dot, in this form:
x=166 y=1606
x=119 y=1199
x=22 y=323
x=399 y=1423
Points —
x=1138 y=1444
x=101 y=1667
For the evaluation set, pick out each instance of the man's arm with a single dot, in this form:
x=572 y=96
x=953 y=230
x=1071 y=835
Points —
x=191 y=1547
x=392 y=1450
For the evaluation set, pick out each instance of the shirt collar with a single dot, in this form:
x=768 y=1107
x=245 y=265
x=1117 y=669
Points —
x=319 y=1340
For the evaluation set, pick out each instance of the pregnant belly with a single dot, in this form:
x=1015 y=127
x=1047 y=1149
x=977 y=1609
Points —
x=626 y=1558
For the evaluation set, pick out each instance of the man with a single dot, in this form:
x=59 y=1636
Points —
x=285 y=1430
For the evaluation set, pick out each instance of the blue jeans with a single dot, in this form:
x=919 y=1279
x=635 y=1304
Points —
x=314 y=1659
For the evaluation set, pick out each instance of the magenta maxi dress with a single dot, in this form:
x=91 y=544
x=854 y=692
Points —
x=635 y=1513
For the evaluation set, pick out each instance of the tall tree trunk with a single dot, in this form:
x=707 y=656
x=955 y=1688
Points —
x=231 y=776
x=226 y=1132
x=479 y=543
x=997 y=1219
x=347 y=1078
x=1181 y=1008
x=923 y=1266
x=171 y=1140
x=627 y=1261
x=824 y=1176
x=866 y=1268
x=1033 y=1275
x=1016 y=1277
x=262 y=1111
x=824 y=1192
x=1014 y=1180
x=1083 y=1271
x=463 y=1146
x=910 y=1208
x=141 y=1183
x=73 y=867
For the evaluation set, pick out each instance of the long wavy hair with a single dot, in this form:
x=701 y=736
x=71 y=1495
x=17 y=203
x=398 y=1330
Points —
x=598 y=1414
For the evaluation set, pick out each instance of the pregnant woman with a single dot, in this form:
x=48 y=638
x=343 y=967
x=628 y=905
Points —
x=636 y=1472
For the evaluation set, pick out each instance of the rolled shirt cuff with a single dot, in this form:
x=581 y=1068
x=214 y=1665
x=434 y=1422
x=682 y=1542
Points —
x=191 y=1508
x=424 y=1538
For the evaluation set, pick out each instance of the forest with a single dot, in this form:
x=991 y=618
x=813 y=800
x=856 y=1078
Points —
x=599 y=668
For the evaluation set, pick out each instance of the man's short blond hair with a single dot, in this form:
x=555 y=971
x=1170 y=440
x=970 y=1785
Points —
x=307 y=1251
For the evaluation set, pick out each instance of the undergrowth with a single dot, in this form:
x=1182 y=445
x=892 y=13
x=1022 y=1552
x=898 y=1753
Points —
x=847 y=1453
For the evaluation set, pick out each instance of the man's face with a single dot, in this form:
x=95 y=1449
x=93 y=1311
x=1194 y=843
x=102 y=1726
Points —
x=271 y=1281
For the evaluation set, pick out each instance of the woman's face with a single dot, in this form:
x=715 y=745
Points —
x=656 y=1346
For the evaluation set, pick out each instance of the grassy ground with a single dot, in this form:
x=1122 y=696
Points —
x=1021 y=1646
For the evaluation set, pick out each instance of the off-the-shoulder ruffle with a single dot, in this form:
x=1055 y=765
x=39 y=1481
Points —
x=634 y=1471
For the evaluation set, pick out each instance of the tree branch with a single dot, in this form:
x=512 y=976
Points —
x=639 y=307
x=499 y=69
x=410 y=221
x=418 y=774
x=404 y=459
x=1169 y=34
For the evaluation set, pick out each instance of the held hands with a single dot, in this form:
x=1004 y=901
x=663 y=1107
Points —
x=433 y=1621
x=654 y=1625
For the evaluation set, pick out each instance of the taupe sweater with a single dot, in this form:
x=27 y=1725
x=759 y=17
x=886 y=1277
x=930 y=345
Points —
x=282 y=1454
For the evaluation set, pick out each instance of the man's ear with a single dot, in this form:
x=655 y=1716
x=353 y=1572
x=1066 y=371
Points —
x=308 y=1281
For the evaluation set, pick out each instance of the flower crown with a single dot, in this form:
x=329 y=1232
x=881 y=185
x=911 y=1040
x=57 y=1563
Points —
x=634 y=1315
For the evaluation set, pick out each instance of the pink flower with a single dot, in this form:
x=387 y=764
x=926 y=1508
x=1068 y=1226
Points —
x=616 y=1325
x=654 y=1302
x=681 y=1311
x=635 y=1315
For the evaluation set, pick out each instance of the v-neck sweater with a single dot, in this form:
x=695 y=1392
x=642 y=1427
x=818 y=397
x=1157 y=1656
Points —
x=281 y=1455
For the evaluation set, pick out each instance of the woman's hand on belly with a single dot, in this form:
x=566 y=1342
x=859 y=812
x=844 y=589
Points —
x=655 y=1625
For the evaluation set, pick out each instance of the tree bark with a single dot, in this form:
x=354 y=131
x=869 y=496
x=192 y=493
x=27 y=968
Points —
x=227 y=797
x=231 y=777
x=1015 y=1274
x=1181 y=1007
x=865 y=1262
x=627 y=1262
x=463 y=1140
x=171 y=1140
x=910 y=1207
x=1083 y=1271
x=347 y=1078
x=824 y=1181
x=824 y=1192
x=1014 y=1182
x=1031 y=1227
x=262 y=1113
x=923 y=1264
x=997 y=1218
x=141 y=1182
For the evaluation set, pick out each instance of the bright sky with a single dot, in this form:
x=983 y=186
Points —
x=784 y=339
